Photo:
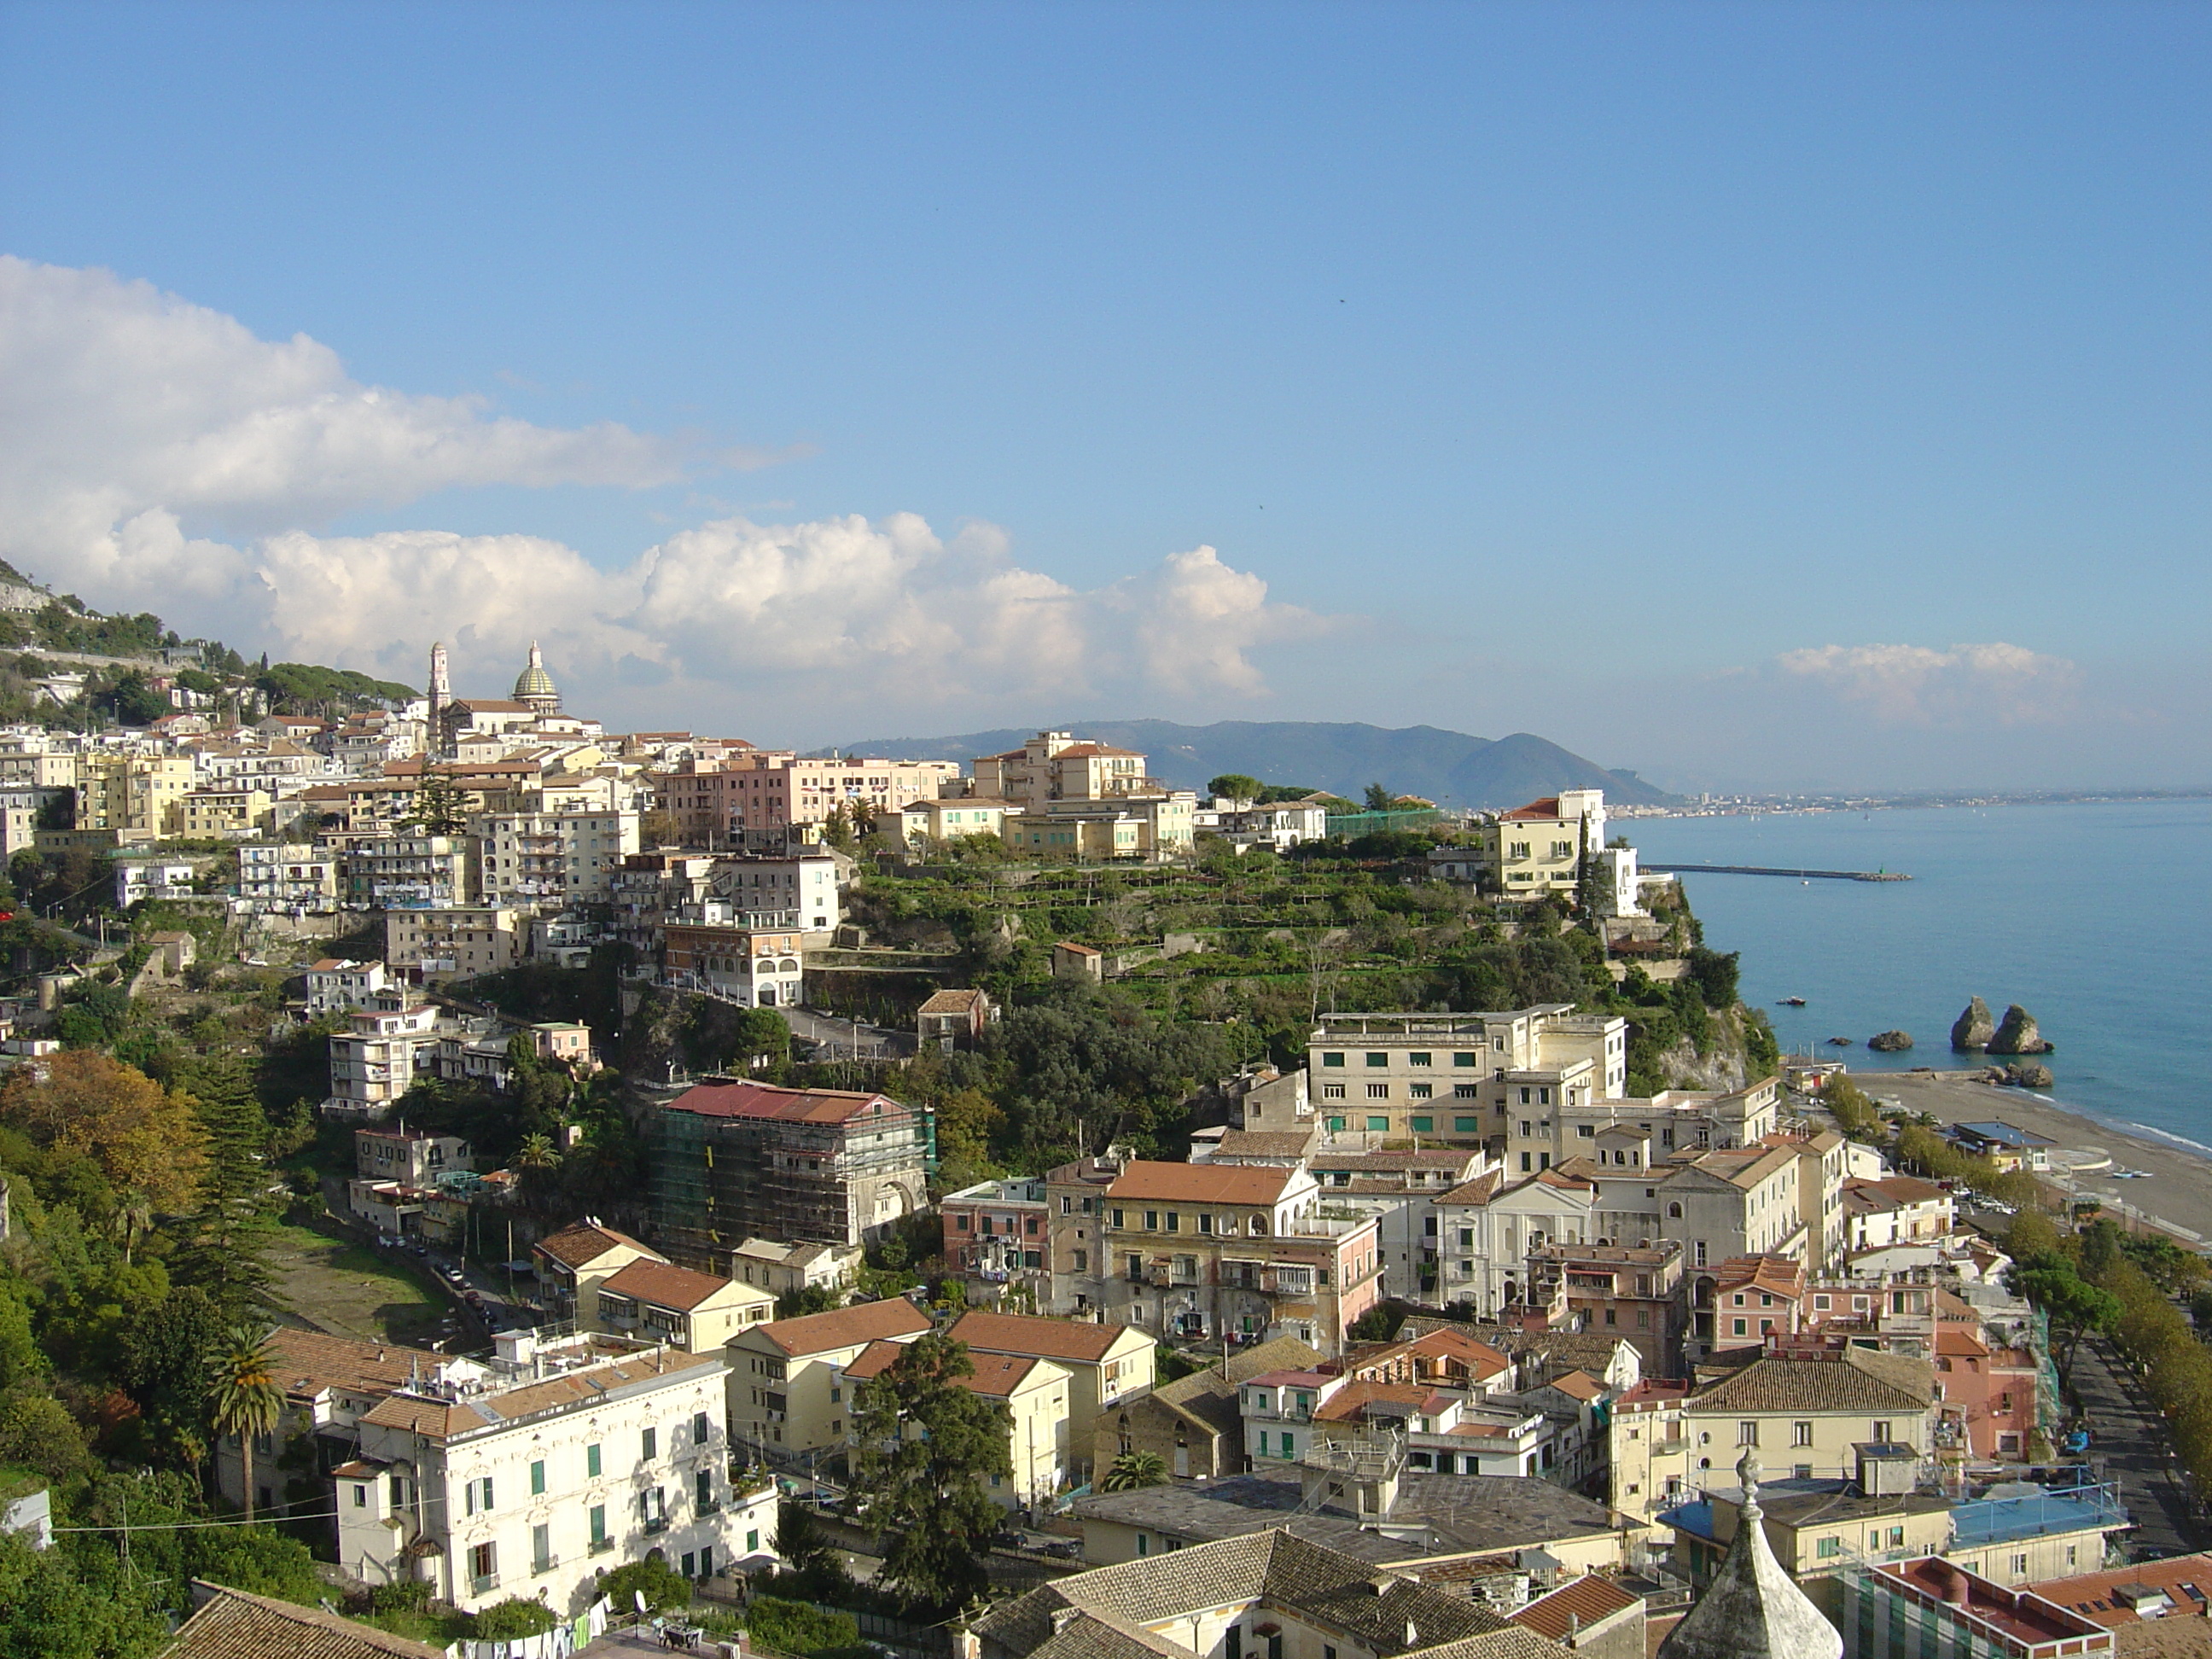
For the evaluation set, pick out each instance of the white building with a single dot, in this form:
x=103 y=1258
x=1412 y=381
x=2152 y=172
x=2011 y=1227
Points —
x=376 y=1062
x=552 y=858
x=807 y=886
x=151 y=878
x=289 y=876
x=336 y=985
x=528 y=1476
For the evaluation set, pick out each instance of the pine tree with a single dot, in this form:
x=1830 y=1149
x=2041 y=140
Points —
x=926 y=1492
x=226 y=1243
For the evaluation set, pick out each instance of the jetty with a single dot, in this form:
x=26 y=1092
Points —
x=1764 y=870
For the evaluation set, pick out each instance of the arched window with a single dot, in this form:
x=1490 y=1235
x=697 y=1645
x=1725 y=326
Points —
x=1674 y=1212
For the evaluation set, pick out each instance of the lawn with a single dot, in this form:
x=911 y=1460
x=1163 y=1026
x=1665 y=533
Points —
x=351 y=1290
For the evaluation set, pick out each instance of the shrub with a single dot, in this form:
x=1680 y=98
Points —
x=795 y=1627
x=511 y=1620
x=661 y=1585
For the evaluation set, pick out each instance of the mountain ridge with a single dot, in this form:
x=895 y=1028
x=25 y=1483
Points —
x=1453 y=769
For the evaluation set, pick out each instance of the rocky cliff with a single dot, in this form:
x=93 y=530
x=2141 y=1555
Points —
x=1974 y=1028
x=2019 y=1034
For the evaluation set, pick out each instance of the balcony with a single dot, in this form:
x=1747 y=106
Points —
x=545 y=1563
x=484 y=1583
x=656 y=1523
x=601 y=1546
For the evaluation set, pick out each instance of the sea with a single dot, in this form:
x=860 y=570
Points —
x=2096 y=917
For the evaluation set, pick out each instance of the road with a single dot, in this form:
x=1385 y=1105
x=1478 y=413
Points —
x=847 y=1038
x=2132 y=1443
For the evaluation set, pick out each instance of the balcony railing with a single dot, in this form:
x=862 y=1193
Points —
x=601 y=1546
x=545 y=1563
x=656 y=1523
x=484 y=1583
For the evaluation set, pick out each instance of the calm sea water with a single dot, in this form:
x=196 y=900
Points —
x=2096 y=918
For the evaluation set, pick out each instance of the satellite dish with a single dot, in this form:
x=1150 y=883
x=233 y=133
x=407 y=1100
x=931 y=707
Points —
x=638 y=1596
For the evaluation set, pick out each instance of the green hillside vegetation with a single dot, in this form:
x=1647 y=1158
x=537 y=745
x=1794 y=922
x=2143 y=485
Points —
x=121 y=694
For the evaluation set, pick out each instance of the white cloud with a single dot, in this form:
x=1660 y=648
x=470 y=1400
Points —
x=157 y=455
x=1915 y=685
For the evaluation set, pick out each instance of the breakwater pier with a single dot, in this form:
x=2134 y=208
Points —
x=1767 y=870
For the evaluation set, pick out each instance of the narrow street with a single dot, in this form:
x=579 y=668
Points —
x=2131 y=1445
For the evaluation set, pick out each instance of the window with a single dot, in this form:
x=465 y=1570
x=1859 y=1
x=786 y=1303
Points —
x=1378 y=1124
x=1151 y=1221
x=1747 y=1434
x=1830 y=1548
x=483 y=1568
x=1378 y=1091
x=1463 y=1059
x=1332 y=1091
x=1332 y=1059
x=538 y=1477
x=649 y=1444
x=1117 y=1219
x=1175 y=1221
x=1417 y=1060
x=1205 y=1224
x=541 y=1548
x=1336 y=1124
x=1739 y=1327
x=1378 y=1059
x=597 y=1517
x=1420 y=1091
x=476 y=1495
x=703 y=1491
x=592 y=1460
x=1881 y=1431
x=1466 y=1126
x=1465 y=1091
x=360 y=1496
x=1424 y=1125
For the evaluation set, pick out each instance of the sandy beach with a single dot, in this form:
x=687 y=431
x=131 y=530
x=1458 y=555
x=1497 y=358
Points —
x=2178 y=1194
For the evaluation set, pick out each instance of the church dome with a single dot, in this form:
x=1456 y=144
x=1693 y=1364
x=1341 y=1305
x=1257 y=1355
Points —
x=534 y=685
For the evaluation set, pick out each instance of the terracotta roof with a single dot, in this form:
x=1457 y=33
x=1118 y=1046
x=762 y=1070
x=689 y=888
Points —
x=846 y=1328
x=1352 y=1399
x=951 y=1002
x=584 y=1243
x=310 y=1362
x=997 y=1375
x=234 y=1625
x=1544 y=807
x=873 y=1360
x=1855 y=1380
x=1201 y=1183
x=1480 y=1357
x=1074 y=949
x=2091 y=1594
x=740 y=1098
x=1048 y=1339
x=1576 y=1607
x=667 y=1285
x=1579 y=1385
x=1265 y=1143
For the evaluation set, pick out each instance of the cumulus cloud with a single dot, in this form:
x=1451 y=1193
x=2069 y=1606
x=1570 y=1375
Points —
x=1915 y=685
x=156 y=454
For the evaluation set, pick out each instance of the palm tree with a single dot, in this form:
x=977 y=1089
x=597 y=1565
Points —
x=244 y=1394
x=1133 y=1469
x=536 y=1152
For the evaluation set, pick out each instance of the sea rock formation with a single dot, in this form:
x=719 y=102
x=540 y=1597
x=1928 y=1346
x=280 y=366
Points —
x=2018 y=1034
x=1890 y=1043
x=1974 y=1028
x=2033 y=1075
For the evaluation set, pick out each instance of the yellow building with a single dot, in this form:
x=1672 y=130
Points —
x=1034 y=1393
x=663 y=1303
x=787 y=1387
x=137 y=794
x=226 y=814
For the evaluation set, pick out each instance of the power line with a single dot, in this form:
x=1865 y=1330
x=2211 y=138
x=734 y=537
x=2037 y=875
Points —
x=189 y=1526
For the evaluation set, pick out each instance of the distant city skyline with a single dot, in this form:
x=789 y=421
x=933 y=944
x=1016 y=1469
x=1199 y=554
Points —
x=1761 y=399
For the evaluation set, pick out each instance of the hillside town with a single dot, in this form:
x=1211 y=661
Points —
x=929 y=1195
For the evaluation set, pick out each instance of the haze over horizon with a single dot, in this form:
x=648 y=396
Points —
x=1757 y=398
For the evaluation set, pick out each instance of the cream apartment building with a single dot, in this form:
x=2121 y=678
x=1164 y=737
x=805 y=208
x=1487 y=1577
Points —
x=787 y=1392
x=1052 y=766
x=455 y=942
x=661 y=1302
x=375 y=1061
x=1462 y=1077
x=525 y=1476
x=1105 y=1366
x=552 y=858
x=1034 y=1393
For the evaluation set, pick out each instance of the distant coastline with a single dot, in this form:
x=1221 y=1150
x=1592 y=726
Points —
x=1723 y=806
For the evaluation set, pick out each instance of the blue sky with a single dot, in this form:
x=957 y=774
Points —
x=1758 y=395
